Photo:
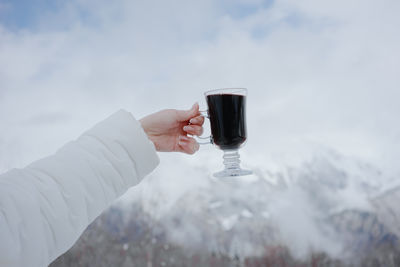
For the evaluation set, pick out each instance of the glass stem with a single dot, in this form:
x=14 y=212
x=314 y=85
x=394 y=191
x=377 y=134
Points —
x=231 y=159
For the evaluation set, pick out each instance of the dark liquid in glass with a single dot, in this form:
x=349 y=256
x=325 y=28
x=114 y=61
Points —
x=227 y=119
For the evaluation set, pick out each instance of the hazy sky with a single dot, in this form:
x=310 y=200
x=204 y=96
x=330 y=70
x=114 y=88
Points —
x=316 y=71
x=321 y=75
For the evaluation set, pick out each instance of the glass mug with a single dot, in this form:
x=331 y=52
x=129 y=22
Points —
x=227 y=115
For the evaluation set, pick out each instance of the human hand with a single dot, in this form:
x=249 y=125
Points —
x=168 y=129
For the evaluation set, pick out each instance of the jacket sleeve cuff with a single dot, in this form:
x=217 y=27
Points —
x=122 y=131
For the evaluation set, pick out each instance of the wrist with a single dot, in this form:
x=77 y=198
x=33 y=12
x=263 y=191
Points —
x=143 y=122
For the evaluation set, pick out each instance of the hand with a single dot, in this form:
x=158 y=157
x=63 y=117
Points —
x=168 y=129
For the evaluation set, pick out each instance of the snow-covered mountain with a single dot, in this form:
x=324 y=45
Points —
x=329 y=211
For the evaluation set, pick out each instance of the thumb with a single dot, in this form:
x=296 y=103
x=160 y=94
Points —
x=185 y=115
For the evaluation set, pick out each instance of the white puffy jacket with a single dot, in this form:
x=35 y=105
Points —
x=45 y=207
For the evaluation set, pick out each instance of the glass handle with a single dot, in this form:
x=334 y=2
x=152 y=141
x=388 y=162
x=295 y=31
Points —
x=209 y=142
x=204 y=113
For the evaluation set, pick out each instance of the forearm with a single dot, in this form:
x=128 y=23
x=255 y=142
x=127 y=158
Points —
x=47 y=205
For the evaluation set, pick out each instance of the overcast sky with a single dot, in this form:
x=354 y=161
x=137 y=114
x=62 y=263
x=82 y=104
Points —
x=327 y=73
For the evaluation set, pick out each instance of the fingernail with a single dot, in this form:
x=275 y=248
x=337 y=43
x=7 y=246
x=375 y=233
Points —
x=193 y=120
x=195 y=148
x=187 y=128
x=180 y=143
x=182 y=137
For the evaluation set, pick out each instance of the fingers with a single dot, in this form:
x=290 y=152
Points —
x=185 y=115
x=193 y=129
x=188 y=144
x=199 y=120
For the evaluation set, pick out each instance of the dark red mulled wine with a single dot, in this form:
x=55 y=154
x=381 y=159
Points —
x=227 y=119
